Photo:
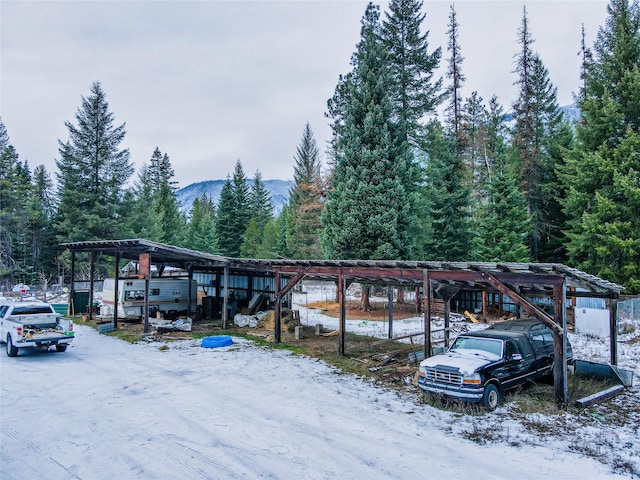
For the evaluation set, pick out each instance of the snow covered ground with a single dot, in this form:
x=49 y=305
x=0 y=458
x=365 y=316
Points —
x=109 y=409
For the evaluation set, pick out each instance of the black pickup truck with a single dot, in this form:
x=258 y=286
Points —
x=480 y=366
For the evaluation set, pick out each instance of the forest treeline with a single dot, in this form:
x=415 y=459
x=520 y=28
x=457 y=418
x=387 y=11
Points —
x=414 y=171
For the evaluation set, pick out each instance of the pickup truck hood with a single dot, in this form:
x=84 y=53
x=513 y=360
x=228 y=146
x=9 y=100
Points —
x=465 y=361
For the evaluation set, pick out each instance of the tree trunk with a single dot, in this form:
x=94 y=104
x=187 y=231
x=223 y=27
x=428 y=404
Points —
x=400 y=298
x=365 y=306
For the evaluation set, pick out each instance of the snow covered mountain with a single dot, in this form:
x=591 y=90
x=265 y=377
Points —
x=278 y=189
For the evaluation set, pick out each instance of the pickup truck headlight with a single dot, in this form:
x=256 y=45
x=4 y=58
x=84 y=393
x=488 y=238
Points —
x=473 y=379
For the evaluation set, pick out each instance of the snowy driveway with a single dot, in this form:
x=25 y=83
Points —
x=106 y=409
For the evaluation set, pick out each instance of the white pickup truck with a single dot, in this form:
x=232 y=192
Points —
x=33 y=324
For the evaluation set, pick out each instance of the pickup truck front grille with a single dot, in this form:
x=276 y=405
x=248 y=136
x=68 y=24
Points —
x=450 y=377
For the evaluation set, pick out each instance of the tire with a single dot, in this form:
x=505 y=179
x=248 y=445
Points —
x=12 y=351
x=61 y=348
x=491 y=397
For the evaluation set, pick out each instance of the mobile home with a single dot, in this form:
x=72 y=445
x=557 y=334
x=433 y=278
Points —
x=168 y=296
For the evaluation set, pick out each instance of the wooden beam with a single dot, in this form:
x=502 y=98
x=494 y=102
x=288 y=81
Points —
x=560 y=380
x=612 y=305
x=92 y=273
x=426 y=298
x=522 y=302
x=342 y=324
x=277 y=311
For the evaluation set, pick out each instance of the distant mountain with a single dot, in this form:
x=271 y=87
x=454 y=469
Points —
x=278 y=189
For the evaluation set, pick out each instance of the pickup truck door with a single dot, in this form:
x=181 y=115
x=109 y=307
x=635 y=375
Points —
x=516 y=366
x=542 y=341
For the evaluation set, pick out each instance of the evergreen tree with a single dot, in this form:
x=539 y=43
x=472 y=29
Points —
x=503 y=225
x=241 y=207
x=260 y=206
x=201 y=230
x=172 y=221
x=269 y=245
x=92 y=174
x=40 y=210
x=228 y=235
x=602 y=171
x=454 y=73
x=143 y=219
x=9 y=205
x=414 y=92
x=164 y=199
x=252 y=239
x=537 y=120
x=474 y=133
x=371 y=198
x=447 y=192
x=306 y=201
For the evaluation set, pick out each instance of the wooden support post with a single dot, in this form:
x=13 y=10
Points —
x=145 y=312
x=277 y=311
x=390 y=300
x=116 y=293
x=484 y=306
x=447 y=310
x=144 y=264
x=417 y=299
x=426 y=298
x=190 y=293
x=342 y=324
x=612 y=305
x=72 y=292
x=560 y=380
x=225 y=298
x=92 y=273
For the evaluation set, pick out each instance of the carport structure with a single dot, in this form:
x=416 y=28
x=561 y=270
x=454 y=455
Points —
x=518 y=281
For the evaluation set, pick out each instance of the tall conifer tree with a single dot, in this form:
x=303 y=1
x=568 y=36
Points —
x=306 y=200
x=229 y=239
x=369 y=208
x=537 y=120
x=92 y=173
x=602 y=173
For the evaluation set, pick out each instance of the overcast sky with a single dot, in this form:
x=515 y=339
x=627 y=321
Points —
x=212 y=82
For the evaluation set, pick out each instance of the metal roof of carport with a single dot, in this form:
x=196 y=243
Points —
x=467 y=274
x=523 y=276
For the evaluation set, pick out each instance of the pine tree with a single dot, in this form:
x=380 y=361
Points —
x=201 y=230
x=260 y=206
x=414 y=90
x=503 y=224
x=9 y=204
x=306 y=201
x=241 y=206
x=228 y=235
x=40 y=210
x=447 y=193
x=269 y=245
x=454 y=73
x=537 y=118
x=92 y=173
x=142 y=219
x=371 y=197
x=164 y=200
x=252 y=240
x=602 y=171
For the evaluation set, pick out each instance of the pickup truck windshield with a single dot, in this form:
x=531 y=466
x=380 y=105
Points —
x=489 y=345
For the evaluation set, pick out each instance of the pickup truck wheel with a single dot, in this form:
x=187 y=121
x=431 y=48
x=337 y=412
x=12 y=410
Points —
x=61 y=348
x=12 y=351
x=491 y=397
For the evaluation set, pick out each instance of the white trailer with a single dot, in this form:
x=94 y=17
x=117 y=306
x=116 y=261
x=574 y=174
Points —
x=169 y=296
